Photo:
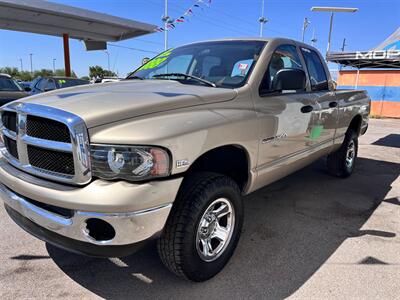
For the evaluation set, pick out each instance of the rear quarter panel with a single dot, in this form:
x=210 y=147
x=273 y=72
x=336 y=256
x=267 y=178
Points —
x=351 y=104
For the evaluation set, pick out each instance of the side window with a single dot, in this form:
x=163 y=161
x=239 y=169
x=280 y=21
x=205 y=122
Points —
x=51 y=85
x=316 y=71
x=34 y=82
x=284 y=57
x=41 y=85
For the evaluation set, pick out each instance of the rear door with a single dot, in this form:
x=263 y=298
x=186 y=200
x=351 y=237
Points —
x=326 y=123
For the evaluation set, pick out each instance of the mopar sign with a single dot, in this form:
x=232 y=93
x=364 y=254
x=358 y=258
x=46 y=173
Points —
x=378 y=54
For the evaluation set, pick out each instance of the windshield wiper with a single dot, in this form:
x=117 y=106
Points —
x=209 y=83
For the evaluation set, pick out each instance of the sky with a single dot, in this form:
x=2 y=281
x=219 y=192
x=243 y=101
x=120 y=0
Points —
x=363 y=30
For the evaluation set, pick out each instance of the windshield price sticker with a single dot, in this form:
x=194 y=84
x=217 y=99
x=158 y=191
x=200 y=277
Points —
x=243 y=66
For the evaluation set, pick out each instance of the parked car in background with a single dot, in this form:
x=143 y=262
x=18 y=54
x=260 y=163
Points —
x=10 y=90
x=26 y=85
x=45 y=84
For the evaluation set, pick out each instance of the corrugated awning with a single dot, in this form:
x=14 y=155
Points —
x=49 y=18
x=367 y=59
x=386 y=55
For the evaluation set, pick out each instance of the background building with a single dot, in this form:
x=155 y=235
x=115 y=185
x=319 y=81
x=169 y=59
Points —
x=377 y=71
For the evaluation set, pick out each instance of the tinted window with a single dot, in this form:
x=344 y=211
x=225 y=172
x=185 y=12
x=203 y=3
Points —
x=284 y=57
x=51 y=85
x=68 y=82
x=8 y=84
x=316 y=70
x=41 y=85
x=34 y=82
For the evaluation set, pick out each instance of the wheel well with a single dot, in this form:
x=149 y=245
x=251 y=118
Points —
x=230 y=160
x=355 y=124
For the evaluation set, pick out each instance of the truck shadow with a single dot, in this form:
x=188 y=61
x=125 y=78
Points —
x=291 y=228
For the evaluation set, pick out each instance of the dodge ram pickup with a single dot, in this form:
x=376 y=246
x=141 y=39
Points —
x=169 y=152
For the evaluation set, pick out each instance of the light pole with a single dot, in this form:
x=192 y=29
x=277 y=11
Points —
x=305 y=25
x=30 y=57
x=332 y=10
x=262 y=19
x=165 y=19
x=20 y=60
x=54 y=66
x=108 y=59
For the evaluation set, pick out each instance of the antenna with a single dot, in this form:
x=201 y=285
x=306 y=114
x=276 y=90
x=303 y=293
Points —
x=344 y=44
x=314 y=38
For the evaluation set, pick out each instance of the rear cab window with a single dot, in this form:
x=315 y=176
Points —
x=316 y=70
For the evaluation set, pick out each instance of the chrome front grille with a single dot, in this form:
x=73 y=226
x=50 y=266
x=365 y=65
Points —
x=11 y=147
x=46 y=142
x=50 y=160
x=9 y=119
x=47 y=129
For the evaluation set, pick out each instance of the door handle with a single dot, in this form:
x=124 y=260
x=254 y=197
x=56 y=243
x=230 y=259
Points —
x=307 y=109
x=333 y=104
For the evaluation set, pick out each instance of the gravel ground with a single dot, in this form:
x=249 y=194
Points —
x=308 y=236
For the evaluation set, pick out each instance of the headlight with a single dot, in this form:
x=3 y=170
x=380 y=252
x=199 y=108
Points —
x=131 y=163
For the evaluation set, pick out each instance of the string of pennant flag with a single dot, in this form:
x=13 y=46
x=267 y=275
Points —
x=171 y=23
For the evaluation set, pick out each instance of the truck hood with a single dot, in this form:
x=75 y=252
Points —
x=99 y=104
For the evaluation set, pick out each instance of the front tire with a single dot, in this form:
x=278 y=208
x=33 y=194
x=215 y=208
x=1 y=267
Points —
x=203 y=228
x=341 y=163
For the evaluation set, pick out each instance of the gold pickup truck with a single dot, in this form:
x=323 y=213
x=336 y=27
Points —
x=169 y=152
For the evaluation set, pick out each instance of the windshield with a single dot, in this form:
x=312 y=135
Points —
x=10 y=85
x=68 y=82
x=225 y=63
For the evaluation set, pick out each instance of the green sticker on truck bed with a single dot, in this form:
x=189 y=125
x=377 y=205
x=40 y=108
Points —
x=316 y=132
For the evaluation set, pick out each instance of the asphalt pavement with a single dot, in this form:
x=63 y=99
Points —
x=307 y=236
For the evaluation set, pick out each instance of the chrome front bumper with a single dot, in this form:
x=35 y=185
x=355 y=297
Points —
x=130 y=227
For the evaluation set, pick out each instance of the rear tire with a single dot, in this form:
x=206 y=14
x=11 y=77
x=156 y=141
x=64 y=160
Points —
x=341 y=163
x=203 y=228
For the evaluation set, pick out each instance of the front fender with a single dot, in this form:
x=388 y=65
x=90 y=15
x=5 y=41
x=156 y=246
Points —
x=186 y=133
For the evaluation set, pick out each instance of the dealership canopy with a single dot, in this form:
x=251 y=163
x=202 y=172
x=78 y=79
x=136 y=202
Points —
x=95 y=29
x=386 y=55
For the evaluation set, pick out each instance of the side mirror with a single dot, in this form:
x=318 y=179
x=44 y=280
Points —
x=27 y=89
x=289 y=79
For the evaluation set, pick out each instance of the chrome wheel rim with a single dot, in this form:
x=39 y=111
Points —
x=350 y=154
x=215 y=229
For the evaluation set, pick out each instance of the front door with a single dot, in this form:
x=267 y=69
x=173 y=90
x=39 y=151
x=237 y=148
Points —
x=286 y=118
